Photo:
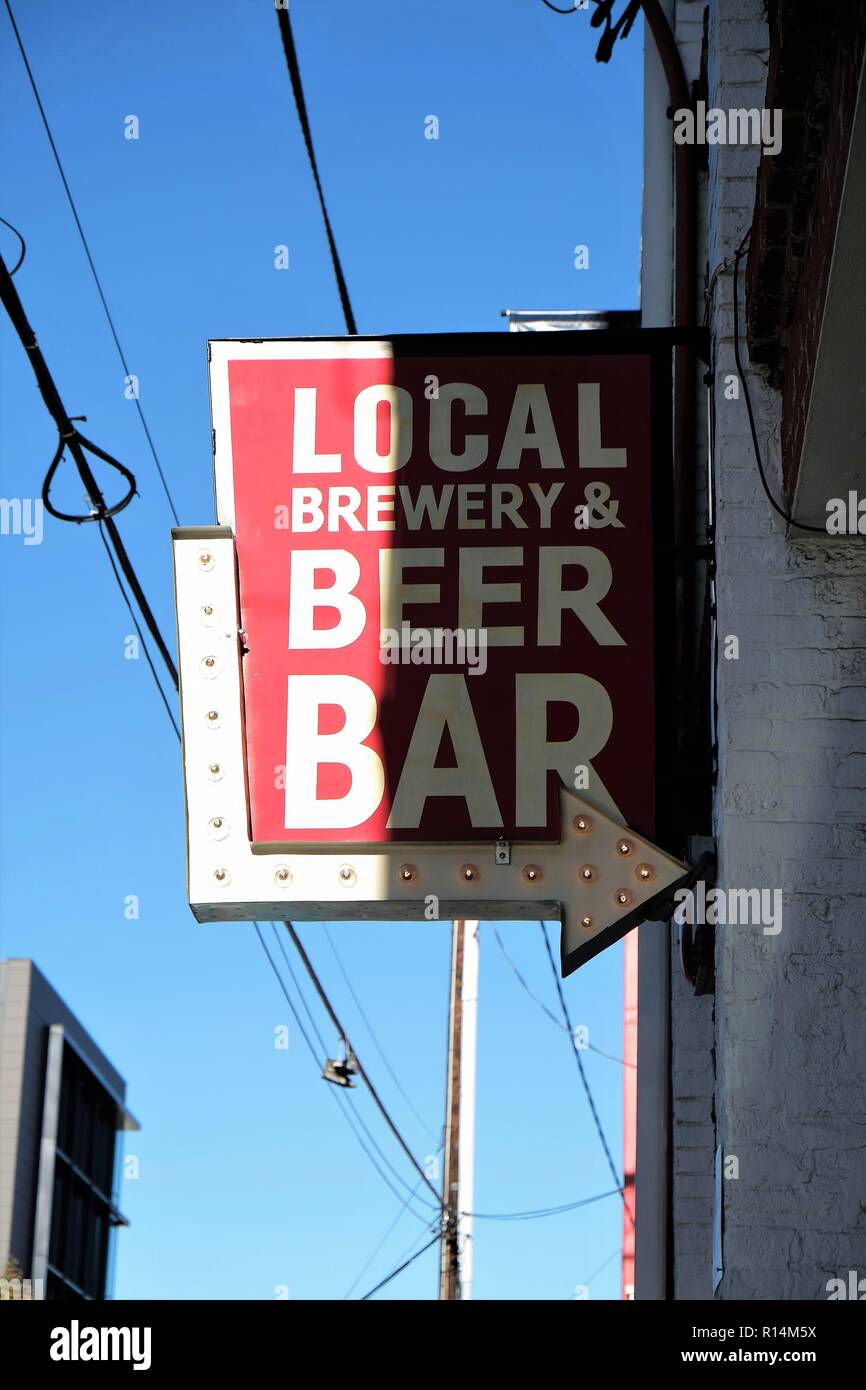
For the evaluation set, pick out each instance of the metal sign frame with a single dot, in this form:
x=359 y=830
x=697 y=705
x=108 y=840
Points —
x=231 y=878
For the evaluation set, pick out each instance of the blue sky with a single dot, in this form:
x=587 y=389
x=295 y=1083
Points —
x=249 y=1178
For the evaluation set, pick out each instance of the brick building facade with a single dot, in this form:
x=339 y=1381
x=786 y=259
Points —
x=766 y=1074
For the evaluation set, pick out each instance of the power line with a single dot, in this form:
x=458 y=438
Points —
x=545 y=1010
x=279 y=940
x=352 y=1118
x=71 y=438
x=345 y=1111
x=532 y=1214
x=156 y=679
x=287 y=996
x=532 y=995
x=596 y=1272
x=356 y=1115
x=542 y=1211
x=308 y=965
x=404 y=1265
x=90 y=260
x=400 y=1214
x=376 y=1042
x=298 y=92
x=576 y=1050
x=324 y=1047
x=20 y=261
x=356 y=1122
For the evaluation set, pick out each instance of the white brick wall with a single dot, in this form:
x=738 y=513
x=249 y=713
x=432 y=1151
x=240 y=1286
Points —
x=790 y=812
x=692 y=1078
x=692 y=1041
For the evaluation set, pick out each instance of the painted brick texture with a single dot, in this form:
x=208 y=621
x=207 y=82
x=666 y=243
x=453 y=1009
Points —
x=692 y=1040
x=692 y=1080
x=790 y=813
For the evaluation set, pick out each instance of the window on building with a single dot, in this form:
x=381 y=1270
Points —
x=83 y=1213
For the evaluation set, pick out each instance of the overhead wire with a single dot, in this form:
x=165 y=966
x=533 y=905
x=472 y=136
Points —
x=542 y=1211
x=20 y=261
x=376 y=1043
x=143 y=643
x=317 y=984
x=90 y=261
x=288 y=38
x=315 y=1027
x=581 y=1070
x=405 y=1265
x=70 y=438
x=340 y=1094
x=532 y=1214
x=350 y=1116
x=481 y=1216
x=397 y=1219
x=356 y=1114
x=596 y=1272
x=302 y=1030
x=357 y=1122
x=537 y=1000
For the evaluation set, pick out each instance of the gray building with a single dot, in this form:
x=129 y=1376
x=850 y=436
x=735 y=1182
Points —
x=751 y=1096
x=62 y=1106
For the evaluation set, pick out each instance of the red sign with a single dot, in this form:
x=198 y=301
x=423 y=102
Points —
x=447 y=582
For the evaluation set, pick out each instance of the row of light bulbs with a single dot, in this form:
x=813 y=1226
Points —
x=469 y=873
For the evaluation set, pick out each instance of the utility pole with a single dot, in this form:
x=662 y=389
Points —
x=455 y=1266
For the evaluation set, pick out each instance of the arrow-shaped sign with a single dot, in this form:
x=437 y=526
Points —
x=621 y=879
